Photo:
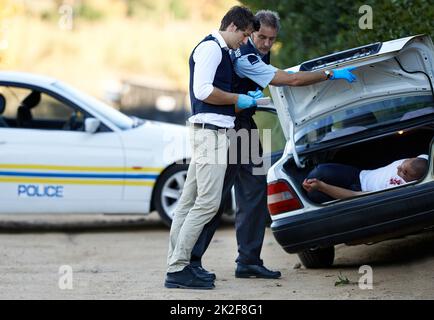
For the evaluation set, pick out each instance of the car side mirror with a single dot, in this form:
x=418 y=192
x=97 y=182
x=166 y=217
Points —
x=91 y=125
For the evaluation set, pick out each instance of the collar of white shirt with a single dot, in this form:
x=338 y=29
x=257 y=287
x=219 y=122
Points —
x=216 y=34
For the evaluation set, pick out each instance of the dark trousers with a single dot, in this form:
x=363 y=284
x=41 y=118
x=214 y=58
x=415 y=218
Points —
x=336 y=174
x=252 y=212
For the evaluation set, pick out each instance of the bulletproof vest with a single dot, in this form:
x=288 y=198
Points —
x=224 y=80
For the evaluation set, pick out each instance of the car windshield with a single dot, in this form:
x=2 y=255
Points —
x=103 y=110
x=362 y=117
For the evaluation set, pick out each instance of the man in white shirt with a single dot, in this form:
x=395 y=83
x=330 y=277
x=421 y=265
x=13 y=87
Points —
x=213 y=104
x=252 y=66
x=336 y=181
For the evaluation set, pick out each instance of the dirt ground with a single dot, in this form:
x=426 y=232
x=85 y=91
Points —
x=129 y=263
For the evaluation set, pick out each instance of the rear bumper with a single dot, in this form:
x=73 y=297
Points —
x=400 y=211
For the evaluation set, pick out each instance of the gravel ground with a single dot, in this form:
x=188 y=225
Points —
x=124 y=258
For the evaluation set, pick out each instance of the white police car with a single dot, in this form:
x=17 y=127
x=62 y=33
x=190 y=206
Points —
x=65 y=152
x=386 y=115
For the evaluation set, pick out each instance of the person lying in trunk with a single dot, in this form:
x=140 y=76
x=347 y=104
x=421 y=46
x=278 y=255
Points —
x=330 y=181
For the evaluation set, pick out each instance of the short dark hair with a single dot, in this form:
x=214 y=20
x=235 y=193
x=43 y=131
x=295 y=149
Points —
x=420 y=166
x=241 y=16
x=269 y=18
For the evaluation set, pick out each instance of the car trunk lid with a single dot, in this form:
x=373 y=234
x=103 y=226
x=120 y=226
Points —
x=379 y=73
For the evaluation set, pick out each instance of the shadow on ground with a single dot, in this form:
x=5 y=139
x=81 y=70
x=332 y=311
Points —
x=391 y=252
x=84 y=223
x=79 y=223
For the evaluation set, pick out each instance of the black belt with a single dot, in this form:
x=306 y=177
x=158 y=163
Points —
x=208 y=126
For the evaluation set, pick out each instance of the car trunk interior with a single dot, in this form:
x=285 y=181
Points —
x=370 y=154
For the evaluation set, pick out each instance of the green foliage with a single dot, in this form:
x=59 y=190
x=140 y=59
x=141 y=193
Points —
x=49 y=15
x=140 y=8
x=87 y=12
x=178 y=9
x=151 y=9
x=83 y=10
x=315 y=28
x=342 y=280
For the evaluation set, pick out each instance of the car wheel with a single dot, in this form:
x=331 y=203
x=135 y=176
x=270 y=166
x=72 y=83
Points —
x=168 y=191
x=318 y=257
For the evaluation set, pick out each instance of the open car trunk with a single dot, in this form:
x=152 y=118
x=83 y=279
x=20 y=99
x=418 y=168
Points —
x=369 y=154
x=394 y=84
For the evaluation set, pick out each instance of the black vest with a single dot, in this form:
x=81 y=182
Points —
x=243 y=85
x=223 y=80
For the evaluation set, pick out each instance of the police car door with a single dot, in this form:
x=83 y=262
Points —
x=48 y=164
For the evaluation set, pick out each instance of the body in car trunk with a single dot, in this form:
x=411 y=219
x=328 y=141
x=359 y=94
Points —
x=369 y=154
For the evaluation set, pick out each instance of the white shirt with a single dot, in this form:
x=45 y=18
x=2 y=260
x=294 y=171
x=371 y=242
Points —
x=381 y=178
x=207 y=58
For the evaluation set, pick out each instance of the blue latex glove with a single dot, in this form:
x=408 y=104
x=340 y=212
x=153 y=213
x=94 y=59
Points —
x=245 y=101
x=255 y=94
x=344 y=74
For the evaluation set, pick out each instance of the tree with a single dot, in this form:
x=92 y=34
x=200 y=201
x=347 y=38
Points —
x=315 y=28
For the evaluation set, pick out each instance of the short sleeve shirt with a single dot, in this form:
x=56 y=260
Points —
x=381 y=178
x=251 y=66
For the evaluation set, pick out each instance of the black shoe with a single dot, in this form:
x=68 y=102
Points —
x=203 y=274
x=255 y=271
x=186 y=279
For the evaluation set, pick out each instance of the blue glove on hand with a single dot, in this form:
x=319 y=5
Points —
x=255 y=94
x=344 y=74
x=245 y=101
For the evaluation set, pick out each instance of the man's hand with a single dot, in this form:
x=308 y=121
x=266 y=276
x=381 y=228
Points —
x=312 y=184
x=333 y=191
x=245 y=101
x=255 y=94
x=343 y=74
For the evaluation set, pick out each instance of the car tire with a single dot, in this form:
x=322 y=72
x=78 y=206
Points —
x=317 y=258
x=171 y=181
x=168 y=191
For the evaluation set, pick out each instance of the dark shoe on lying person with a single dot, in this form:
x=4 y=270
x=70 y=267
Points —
x=203 y=274
x=186 y=279
x=255 y=271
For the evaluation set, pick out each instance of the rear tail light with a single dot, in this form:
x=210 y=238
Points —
x=281 y=198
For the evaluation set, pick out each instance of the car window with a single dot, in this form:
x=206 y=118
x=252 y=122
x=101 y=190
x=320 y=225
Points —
x=116 y=117
x=32 y=109
x=269 y=120
x=362 y=117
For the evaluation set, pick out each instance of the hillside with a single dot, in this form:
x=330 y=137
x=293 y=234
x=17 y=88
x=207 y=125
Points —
x=93 y=43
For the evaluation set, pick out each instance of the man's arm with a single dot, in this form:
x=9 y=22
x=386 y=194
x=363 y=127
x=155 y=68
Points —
x=301 y=78
x=207 y=58
x=333 y=191
x=220 y=97
x=252 y=67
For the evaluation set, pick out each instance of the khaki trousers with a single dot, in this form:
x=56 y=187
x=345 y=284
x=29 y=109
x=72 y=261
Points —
x=201 y=196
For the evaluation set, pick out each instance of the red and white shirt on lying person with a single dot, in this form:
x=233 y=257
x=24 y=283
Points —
x=384 y=177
